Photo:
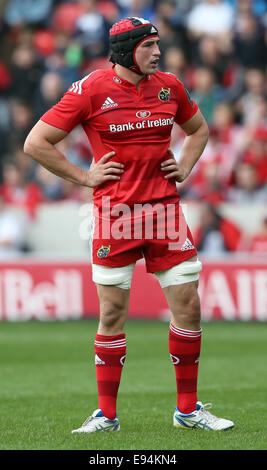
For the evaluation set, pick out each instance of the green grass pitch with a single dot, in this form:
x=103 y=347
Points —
x=48 y=387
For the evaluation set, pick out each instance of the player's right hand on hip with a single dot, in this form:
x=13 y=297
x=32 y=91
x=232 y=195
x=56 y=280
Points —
x=104 y=170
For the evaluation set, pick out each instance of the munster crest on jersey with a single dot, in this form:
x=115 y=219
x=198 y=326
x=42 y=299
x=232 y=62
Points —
x=103 y=251
x=164 y=94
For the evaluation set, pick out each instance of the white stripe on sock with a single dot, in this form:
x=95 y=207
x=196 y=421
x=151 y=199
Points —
x=111 y=344
x=185 y=333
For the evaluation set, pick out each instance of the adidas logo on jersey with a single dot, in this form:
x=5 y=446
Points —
x=99 y=361
x=109 y=103
x=187 y=245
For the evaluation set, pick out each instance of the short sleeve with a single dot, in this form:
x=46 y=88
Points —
x=187 y=107
x=71 y=110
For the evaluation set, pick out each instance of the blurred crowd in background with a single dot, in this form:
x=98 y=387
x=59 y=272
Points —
x=217 y=48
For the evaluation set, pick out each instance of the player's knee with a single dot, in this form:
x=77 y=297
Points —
x=112 y=313
x=186 y=304
x=192 y=308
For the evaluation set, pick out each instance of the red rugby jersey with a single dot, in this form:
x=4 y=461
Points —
x=135 y=123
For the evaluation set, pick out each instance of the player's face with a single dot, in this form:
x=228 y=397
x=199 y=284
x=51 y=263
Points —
x=147 y=55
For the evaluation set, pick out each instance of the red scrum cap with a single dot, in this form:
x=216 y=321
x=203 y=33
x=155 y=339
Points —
x=125 y=36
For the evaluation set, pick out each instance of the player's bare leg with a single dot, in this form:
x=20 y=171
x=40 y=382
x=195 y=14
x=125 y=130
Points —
x=114 y=304
x=110 y=354
x=184 y=346
x=184 y=304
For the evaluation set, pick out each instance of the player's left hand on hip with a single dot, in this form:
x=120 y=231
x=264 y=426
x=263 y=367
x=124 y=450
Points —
x=173 y=168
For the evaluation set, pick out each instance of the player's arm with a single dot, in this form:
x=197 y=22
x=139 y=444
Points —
x=197 y=133
x=41 y=146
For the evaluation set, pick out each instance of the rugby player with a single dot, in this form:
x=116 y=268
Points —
x=128 y=112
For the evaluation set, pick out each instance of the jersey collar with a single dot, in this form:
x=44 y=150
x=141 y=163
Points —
x=124 y=82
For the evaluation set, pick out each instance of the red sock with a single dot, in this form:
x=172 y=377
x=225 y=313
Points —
x=110 y=353
x=184 y=347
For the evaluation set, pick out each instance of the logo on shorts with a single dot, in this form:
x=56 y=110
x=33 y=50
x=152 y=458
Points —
x=164 y=94
x=103 y=251
x=187 y=245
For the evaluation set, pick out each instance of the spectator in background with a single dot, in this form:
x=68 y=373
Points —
x=212 y=17
x=77 y=148
x=139 y=8
x=3 y=5
x=65 y=16
x=49 y=184
x=66 y=59
x=70 y=191
x=204 y=92
x=208 y=187
x=92 y=31
x=175 y=62
x=20 y=123
x=51 y=90
x=209 y=55
x=22 y=161
x=212 y=175
x=43 y=42
x=227 y=136
x=258 y=243
x=256 y=154
x=26 y=73
x=171 y=13
x=12 y=232
x=27 y=11
x=253 y=96
x=168 y=37
x=110 y=10
x=216 y=234
x=5 y=77
x=249 y=41
x=247 y=188
x=229 y=131
x=253 y=132
x=4 y=128
x=258 y=7
x=16 y=190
